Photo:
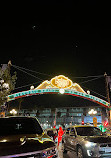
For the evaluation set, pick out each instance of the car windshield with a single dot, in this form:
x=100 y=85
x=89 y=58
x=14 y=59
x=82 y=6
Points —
x=13 y=126
x=88 y=131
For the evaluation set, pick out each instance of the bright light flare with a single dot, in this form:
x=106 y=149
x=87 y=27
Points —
x=61 y=91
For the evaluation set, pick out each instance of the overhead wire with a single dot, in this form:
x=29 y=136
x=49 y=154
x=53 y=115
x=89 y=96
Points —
x=92 y=90
x=27 y=85
x=51 y=75
x=89 y=76
x=31 y=70
x=95 y=92
x=25 y=69
x=91 y=79
x=27 y=72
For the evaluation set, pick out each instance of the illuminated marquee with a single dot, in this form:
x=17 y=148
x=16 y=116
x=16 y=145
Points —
x=54 y=86
x=60 y=82
x=56 y=91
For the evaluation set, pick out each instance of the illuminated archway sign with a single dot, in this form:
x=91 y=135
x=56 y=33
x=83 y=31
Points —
x=59 y=85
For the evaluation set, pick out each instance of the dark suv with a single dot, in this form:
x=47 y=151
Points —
x=87 y=141
x=24 y=137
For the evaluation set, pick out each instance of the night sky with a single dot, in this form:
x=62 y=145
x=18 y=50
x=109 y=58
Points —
x=72 y=38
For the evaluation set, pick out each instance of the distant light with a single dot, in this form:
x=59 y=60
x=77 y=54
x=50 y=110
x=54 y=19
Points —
x=34 y=27
x=2 y=81
x=6 y=85
x=4 y=140
x=92 y=112
x=62 y=91
x=32 y=87
x=13 y=111
x=88 y=92
x=105 y=123
x=95 y=112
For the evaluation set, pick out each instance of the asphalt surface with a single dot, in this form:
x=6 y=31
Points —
x=66 y=155
x=70 y=155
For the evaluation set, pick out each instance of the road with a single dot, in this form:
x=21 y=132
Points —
x=68 y=155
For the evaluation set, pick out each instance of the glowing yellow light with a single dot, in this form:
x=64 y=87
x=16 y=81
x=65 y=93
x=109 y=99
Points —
x=62 y=91
x=61 y=82
x=13 y=111
x=4 y=140
x=92 y=112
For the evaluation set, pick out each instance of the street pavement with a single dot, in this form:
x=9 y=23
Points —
x=67 y=155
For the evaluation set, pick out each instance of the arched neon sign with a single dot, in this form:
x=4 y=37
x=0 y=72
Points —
x=57 y=85
x=57 y=91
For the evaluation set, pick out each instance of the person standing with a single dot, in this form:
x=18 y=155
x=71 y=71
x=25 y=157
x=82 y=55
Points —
x=60 y=134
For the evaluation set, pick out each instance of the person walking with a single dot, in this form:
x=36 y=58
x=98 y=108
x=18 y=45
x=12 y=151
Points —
x=60 y=134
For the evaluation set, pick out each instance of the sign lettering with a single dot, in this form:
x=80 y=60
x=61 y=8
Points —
x=61 y=83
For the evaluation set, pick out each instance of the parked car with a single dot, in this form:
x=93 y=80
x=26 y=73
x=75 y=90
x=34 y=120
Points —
x=52 y=132
x=87 y=141
x=24 y=137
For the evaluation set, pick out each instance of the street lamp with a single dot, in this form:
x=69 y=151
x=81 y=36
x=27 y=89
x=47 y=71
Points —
x=88 y=92
x=61 y=91
x=13 y=112
x=32 y=87
x=92 y=112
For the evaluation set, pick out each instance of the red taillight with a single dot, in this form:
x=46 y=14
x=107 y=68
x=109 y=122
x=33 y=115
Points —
x=105 y=123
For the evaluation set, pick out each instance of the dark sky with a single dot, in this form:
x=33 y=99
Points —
x=72 y=38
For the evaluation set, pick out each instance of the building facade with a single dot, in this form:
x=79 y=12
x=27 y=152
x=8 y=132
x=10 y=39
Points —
x=65 y=116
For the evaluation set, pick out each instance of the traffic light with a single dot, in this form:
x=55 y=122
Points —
x=82 y=122
x=105 y=123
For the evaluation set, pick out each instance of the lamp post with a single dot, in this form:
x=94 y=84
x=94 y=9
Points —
x=13 y=112
x=92 y=112
x=108 y=99
x=32 y=87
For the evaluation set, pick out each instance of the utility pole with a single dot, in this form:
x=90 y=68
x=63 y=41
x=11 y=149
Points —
x=108 y=98
x=55 y=117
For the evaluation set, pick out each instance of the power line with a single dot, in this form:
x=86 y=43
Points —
x=89 y=76
x=51 y=75
x=95 y=92
x=31 y=70
x=25 y=69
x=91 y=79
x=27 y=73
x=27 y=85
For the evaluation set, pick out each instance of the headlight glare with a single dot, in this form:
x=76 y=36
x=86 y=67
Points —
x=90 y=144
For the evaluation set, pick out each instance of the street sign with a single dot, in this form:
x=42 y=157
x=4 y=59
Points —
x=95 y=121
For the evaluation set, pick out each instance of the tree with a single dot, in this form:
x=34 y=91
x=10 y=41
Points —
x=7 y=82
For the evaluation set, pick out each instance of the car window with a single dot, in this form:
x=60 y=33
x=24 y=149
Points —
x=67 y=130
x=50 y=133
x=11 y=126
x=88 y=131
x=72 y=131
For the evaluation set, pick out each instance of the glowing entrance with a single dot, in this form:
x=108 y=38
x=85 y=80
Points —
x=59 y=85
